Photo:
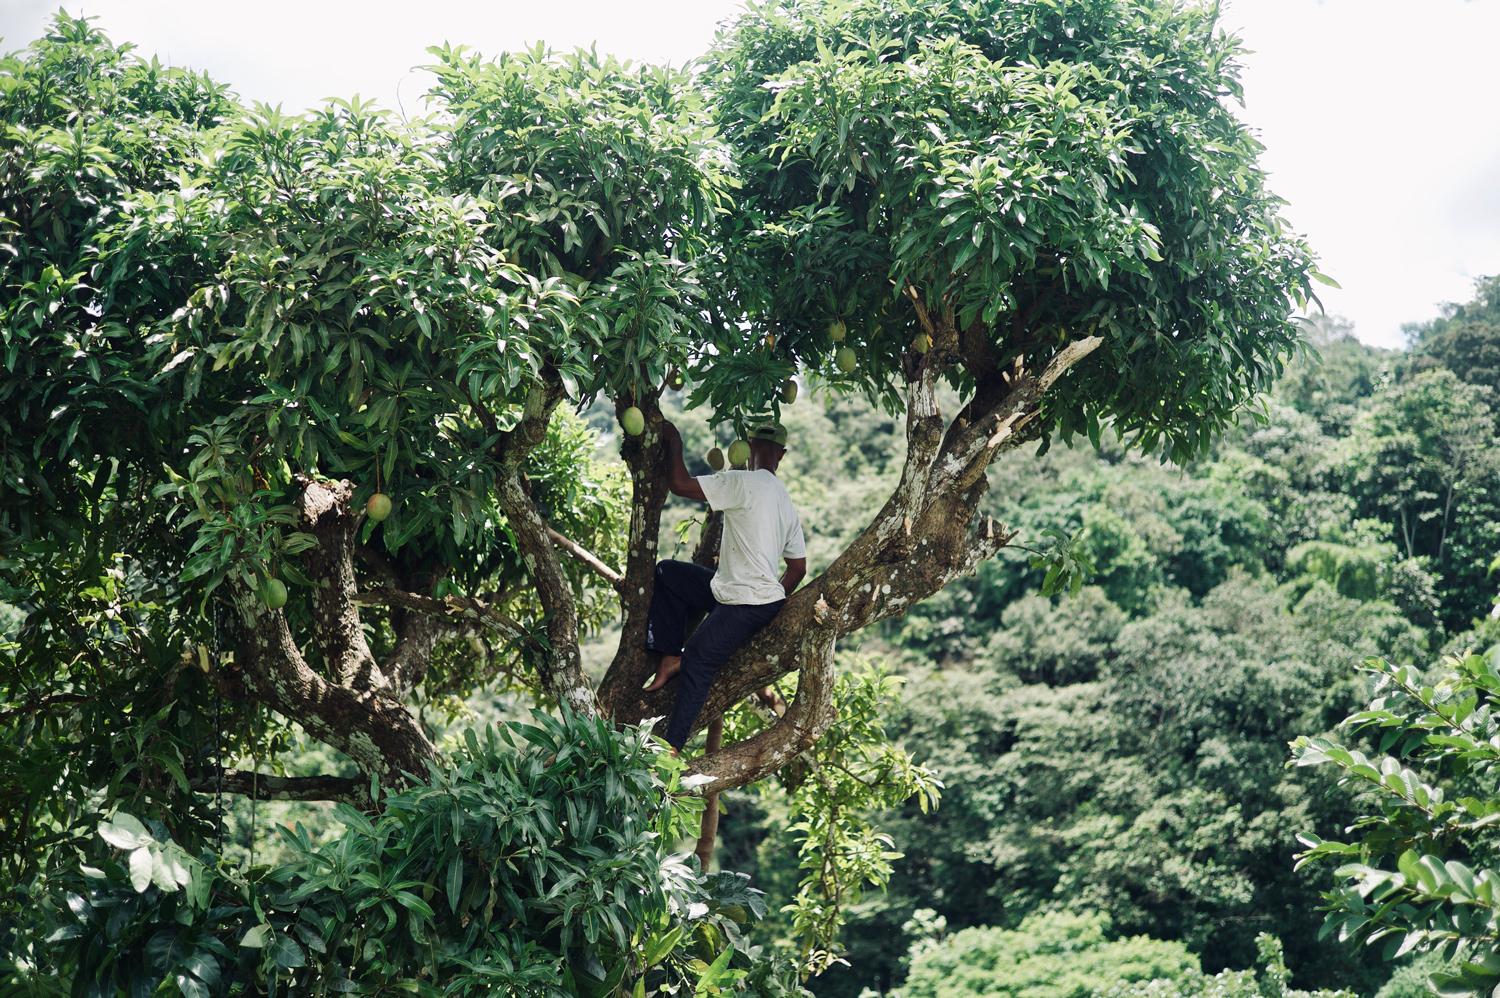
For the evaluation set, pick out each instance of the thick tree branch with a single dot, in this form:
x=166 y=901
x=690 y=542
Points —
x=326 y=514
x=261 y=786
x=45 y=704
x=645 y=456
x=708 y=824
x=407 y=665
x=1067 y=357
x=583 y=555
x=810 y=714
x=970 y=448
x=377 y=732
x=921 y=307
x=558 y=663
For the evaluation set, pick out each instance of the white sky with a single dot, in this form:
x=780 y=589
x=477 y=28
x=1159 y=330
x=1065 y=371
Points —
x=1377 y=115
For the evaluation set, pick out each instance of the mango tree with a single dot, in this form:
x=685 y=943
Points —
x=1047 y=207
x=227 y=329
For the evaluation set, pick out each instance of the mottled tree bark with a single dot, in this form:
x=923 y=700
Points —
x=355 y=703
x=645 y=457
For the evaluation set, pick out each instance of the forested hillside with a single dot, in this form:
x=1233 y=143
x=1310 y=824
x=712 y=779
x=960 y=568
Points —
x=1123 y=752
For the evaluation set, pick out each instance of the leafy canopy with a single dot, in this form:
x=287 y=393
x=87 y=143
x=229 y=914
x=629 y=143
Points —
x=1027 y=172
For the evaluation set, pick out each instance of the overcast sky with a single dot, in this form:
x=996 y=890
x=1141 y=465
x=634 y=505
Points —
x=1377 y=115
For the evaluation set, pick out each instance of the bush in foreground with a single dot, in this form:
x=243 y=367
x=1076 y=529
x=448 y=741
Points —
x=537 y=865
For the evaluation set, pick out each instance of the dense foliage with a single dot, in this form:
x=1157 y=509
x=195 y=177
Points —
x=537 y=865
x=1122 y=752
x=224 y=328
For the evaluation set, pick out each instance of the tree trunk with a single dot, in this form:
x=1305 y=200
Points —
x=358 y=704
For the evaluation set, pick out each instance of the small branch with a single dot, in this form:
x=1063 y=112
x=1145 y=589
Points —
x=810 y=714
x=485 y=416
x=1067 y=357
x=44 y=703
x=922 y=315
x=451 y=607
x=581 y=554
x=260 y=786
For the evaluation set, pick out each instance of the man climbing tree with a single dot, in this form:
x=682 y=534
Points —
x=740 y=596
x=286 y=399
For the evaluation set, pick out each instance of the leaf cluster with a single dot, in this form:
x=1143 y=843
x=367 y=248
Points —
x=535 y=865
x=1025 y=173
x=1405 y=879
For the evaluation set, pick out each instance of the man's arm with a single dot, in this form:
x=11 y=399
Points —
x=796 y=569
x=678 y=480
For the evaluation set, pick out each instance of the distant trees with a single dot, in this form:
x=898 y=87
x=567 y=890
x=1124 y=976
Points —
x=1123 y=751
x=1422 y=459
x=1047 y=956
x=1079 y=956
x=1133 y=768
x=1465 y=339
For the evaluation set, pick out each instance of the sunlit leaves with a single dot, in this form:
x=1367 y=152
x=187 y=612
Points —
x=1442 y=731
x=1047 y=170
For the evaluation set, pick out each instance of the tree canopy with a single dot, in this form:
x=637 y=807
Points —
x=226 y=328
x=217 y=316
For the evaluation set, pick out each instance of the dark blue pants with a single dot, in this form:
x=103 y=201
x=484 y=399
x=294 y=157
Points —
x=681 y=589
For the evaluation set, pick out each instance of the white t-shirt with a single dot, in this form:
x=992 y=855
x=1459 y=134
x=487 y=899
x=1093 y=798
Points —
x=760 y=528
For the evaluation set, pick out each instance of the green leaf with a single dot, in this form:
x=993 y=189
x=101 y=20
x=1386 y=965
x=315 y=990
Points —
x=659 y=945
x=715 y=970
x=124 y=831
x=455 y=881
x=141 y=865
x=286 y=953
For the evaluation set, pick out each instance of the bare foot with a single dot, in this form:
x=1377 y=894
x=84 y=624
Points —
x=670 y=666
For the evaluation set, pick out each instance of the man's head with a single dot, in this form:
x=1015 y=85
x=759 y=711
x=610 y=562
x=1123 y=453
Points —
x=767 y=446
